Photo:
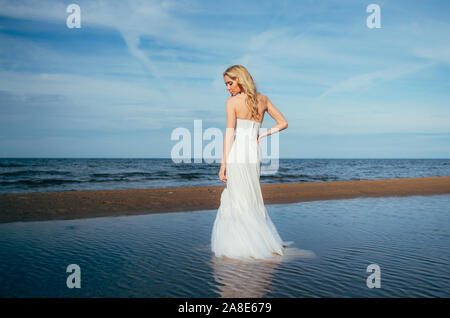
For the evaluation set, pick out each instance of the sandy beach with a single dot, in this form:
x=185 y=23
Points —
x=87 y=204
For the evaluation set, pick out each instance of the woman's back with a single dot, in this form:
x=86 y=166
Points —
x=243 y=111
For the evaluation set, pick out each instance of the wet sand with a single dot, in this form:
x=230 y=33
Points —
x=87 y=204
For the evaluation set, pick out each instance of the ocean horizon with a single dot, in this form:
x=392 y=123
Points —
x=24 y=175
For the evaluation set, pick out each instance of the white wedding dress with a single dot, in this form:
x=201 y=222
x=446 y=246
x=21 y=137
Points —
x=243 y=228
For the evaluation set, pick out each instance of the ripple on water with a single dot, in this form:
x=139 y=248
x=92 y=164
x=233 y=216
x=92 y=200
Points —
x=168 y=255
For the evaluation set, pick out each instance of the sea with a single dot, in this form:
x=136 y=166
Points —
x=361 y=247
x=21 y=175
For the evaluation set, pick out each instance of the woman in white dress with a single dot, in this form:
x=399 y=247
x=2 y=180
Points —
x=242 y=228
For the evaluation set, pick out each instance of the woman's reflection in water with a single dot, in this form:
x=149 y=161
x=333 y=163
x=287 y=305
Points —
x=249 y=278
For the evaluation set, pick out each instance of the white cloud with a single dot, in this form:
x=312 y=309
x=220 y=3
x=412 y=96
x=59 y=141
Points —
x=134 y=20
x=440 y=53
x=77 y=87
x=294 y=63
x=365 y=81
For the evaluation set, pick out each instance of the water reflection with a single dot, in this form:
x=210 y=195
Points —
x=250 y=278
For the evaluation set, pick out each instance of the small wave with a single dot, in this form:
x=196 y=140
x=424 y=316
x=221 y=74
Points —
x=8 y=165
x=286 y=176
x=296 y=178
x=121 y=180
x=190 y=176
x=34 y=172
x=121 y=175
x=41 y=182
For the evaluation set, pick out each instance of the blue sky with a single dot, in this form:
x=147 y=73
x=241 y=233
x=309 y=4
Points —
x=136 y=70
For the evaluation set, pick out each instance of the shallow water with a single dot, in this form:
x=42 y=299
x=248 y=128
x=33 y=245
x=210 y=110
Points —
x=168 y=255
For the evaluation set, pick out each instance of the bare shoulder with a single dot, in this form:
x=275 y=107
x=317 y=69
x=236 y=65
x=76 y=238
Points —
x=263 y=100
x=262 y=96
x=231 y=100
x=231 y=103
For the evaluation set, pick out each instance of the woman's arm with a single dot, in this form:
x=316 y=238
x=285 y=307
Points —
x=228 y=139
x=279 y=118
x=229 y=132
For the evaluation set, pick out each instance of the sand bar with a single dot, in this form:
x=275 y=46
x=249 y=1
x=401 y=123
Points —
x=87 y=204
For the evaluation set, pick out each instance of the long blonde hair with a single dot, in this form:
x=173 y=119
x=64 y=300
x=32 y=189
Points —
x=240 y=74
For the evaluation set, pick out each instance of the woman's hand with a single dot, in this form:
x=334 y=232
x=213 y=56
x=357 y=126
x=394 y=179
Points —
x=222 y=173
x=259 y=139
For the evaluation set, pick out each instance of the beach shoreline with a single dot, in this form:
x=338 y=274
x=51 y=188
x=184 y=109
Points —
x=65 y=205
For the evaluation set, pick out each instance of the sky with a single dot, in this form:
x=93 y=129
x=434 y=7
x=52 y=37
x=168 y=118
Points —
x=118 y=86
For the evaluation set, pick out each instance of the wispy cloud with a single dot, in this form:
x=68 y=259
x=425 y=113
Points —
x=156 y=65
x=365 y=81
